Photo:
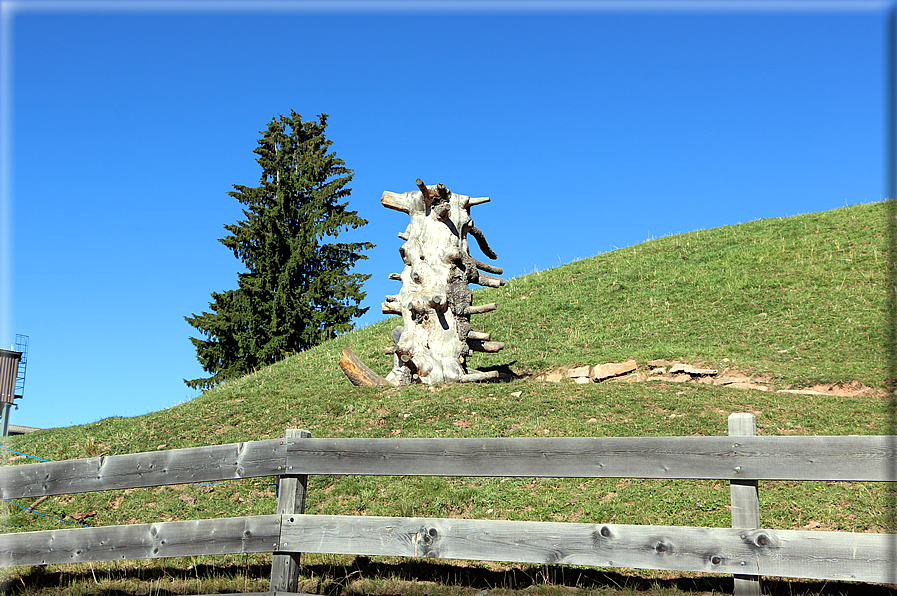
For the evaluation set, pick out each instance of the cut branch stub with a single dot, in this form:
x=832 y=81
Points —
x=435 y=299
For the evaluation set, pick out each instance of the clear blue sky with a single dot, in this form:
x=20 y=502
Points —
x=591 y=127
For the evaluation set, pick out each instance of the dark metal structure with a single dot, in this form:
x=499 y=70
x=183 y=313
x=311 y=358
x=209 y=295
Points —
x=12 y=379
x=21 y=346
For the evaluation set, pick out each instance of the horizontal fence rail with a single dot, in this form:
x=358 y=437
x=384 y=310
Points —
x=815 y=555
x=859 y=458
x=223 y=536
x=839 y=556
x=137 y=470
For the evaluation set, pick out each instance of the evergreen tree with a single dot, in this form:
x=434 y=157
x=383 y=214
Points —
x=296 y=292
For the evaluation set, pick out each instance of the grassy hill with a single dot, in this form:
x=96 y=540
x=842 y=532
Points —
x=796 y=302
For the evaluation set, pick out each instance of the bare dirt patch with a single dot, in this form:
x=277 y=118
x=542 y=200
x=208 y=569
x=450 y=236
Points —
x=848 y=389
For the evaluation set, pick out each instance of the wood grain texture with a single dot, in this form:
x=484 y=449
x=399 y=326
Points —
x=255 y=534
x=745 y=501
x=786 y=553
x=290 y=499
x=480 y=376
x=482 y=308
x=397 y=201
x=485 y=346
x=812 y=555
x=156 y=468
x=435 y=294
x=863 y=458
x=358 y=372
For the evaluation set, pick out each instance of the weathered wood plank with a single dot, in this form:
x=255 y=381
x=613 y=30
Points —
x=786 y=553
x=290 y=499
x=840 y=556
x=813 y=555
x=254 y=534
x=745 y=500
x=862 y=458
x=156 y=468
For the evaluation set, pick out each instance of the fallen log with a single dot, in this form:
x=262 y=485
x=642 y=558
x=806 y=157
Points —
x=358 y=372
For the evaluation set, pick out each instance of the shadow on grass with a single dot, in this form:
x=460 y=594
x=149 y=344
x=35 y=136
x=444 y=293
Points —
x=506 y=372
x=336 y=580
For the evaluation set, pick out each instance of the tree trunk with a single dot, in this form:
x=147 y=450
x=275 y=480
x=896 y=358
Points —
x=435 y=340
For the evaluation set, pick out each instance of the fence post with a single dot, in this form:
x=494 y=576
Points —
x=290 y=499
x=745 y=502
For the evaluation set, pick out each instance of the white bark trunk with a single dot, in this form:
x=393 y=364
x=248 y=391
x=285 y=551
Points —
x=435 y=301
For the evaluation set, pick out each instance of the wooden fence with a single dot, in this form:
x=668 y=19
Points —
x=746 y=550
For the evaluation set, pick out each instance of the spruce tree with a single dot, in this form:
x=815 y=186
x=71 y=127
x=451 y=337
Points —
x=296 y=291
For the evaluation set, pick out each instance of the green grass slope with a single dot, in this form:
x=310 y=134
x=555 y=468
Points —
x=799 y=301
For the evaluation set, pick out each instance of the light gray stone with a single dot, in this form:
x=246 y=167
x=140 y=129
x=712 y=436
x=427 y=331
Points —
x=631 y=378
x=612 y=369
x=579 y=371
x=659 y=362
x=683 y=378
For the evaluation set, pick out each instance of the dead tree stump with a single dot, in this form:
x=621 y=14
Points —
x=435 y=340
